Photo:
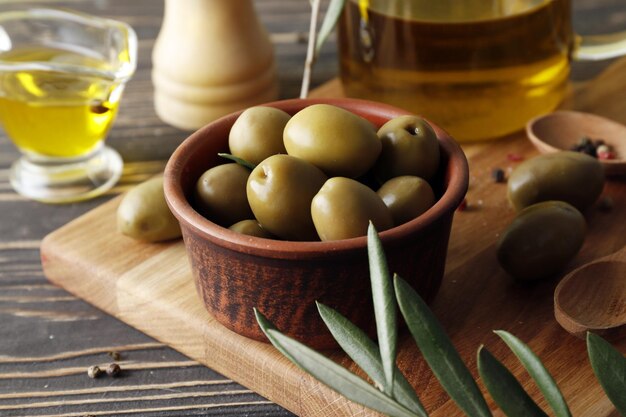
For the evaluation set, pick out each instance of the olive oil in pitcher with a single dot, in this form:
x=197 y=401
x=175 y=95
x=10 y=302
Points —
x=59 y=114
x=479 y=68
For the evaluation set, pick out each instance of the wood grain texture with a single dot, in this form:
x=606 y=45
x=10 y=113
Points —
x=33 y=339
x=150 y=287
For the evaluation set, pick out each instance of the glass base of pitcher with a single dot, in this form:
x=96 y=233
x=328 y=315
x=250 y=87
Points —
x=53 y=180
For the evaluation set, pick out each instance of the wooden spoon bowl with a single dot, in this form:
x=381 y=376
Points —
x=561 y=130
x=593 y=297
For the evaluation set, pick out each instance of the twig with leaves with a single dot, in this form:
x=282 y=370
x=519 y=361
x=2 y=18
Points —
x=393 y=395
x=316 y=40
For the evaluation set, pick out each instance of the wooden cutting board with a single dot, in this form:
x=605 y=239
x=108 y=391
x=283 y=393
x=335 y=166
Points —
x=149 y=286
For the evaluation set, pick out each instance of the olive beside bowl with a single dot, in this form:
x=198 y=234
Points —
x=235 y=273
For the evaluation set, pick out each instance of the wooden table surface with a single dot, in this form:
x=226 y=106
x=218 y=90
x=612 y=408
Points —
x=48 y=337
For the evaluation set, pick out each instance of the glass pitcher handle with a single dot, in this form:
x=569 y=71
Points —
x=599 y=47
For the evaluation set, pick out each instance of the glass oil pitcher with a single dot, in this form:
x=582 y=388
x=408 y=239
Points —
x=61 y=79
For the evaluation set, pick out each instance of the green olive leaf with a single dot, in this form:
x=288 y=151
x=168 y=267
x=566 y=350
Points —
x=609 y=365
x=364 y=352
x=266 y=325
x=238 y=160
x=330 y=21
x=384 y=306
x=538 y=372
x=505 y=390
x=439 y=352
x=333 y=375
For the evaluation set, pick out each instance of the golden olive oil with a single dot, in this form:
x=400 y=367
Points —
x=480 y=69
x=52 y=113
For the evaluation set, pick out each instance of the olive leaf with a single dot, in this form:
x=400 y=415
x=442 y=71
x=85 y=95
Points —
x=266 y=325
x=538 y=372
x=330 y=20
x=609 y=366
x=384 y=306
x=439 y=352
x=238 y=160
x=333 y=375
x=364 y=352
x=505 y=390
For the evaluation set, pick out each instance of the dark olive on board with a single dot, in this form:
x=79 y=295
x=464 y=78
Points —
x=343 y=208
x=335 y=140
x=541 y=240
x=565 y=176
x=280 y=190
x=220 y=194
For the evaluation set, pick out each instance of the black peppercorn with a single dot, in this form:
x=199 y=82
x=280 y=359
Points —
x=498 y=175
x=115 y=355
x=94 y=371
x=113 y=370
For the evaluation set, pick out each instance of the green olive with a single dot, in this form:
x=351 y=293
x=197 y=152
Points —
x=251 y=228
x=541 y=240
x=407 y=197
x=220 y=194
x=280 y=190
x=143 y=213
x=410 y=147
x=335 y=140
x=258 y=134
x=343 y=208
x=566 y=176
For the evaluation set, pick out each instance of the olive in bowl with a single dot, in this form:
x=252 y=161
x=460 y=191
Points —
x=235 y=273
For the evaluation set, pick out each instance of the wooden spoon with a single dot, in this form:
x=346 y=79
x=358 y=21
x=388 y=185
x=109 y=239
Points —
x=561 y=130
x=593 y=297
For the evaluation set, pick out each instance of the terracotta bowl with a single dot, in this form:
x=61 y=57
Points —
x=234 y=273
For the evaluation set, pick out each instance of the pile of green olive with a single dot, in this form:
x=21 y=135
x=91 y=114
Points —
x=307 y=181
x=549 y=192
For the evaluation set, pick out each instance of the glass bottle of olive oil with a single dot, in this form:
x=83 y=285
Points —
x=56 y=114
x=479 y=68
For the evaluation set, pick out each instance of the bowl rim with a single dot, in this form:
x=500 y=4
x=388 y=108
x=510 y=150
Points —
x=189 y=218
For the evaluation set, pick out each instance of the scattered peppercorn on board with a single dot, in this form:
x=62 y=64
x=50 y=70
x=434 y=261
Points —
x=149 y=286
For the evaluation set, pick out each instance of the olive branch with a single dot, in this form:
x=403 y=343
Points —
x=316 y=40
x=392 y=394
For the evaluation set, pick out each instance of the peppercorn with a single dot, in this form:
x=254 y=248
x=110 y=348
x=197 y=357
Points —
x=113 y=370
x=604 y=152
x=498 y=175
x=94 y=371
x=114 y=355
x=596 y=148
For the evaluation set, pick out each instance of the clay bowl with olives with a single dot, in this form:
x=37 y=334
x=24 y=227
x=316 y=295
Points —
x=237 y=270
